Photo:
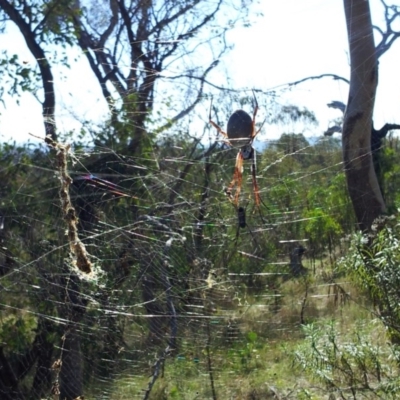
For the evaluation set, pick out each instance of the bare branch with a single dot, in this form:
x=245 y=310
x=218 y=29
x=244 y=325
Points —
x=199 y=96
x=333 y=129
x=334 y=76
x=192 y=31
x=392 y=13
x=381 y=133
x=113 y=23
x=86 y=44
x=338 y=105
x=166 y=21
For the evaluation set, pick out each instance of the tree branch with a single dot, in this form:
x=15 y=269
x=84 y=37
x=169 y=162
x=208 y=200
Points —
x=334 y=76
x=113 y=23
x=390 y=35
x=86 y=44
x=48 y=105
x=191 y=32
x=187 y=110
x=166 y=21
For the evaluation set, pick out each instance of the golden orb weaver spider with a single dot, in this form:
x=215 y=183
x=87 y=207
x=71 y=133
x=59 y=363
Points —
x=240 y=133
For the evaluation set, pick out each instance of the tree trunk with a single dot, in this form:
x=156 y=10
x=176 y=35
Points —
x=42 y=380
x=71 y=374
x=362 y=182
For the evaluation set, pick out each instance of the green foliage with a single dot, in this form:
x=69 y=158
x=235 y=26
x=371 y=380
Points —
x=295 y=114
x=18 y=77
x=217 y=265
x=390 y=172
x=374 y=263
x=17 y=331
x=352 y=367
x=290 y=143
x=244 y=354
x=166 y=236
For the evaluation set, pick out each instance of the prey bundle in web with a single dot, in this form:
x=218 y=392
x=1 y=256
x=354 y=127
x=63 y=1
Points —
x=79 y=256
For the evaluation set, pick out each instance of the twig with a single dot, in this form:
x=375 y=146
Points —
x=309 y=78
x=304 y=303
x=156 y=371
x=170 y=303
x=209 y=363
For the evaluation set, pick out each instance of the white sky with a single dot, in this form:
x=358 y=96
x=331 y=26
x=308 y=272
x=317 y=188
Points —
x=293 y=40
x=296 y=39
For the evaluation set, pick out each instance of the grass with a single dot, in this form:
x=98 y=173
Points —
x=254 y=344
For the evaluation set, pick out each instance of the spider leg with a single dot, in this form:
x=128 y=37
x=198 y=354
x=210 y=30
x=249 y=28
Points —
x=239 y=174
x=237 y=179
x=260 y=128
x=255 y=106
x=254 y=177
x=254 y=132
x=218 y=128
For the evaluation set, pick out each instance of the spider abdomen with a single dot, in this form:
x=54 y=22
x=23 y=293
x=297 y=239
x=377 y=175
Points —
x=240 y=133
x=240 y=128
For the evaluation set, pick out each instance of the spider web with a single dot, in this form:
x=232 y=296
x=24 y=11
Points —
x=135 y=277
x=177 y=295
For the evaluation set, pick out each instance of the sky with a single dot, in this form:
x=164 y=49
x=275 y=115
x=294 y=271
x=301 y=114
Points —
x=297 y=39
x=292 y=40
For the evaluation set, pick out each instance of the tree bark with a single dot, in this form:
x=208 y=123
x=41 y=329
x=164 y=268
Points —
x=361 y=178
